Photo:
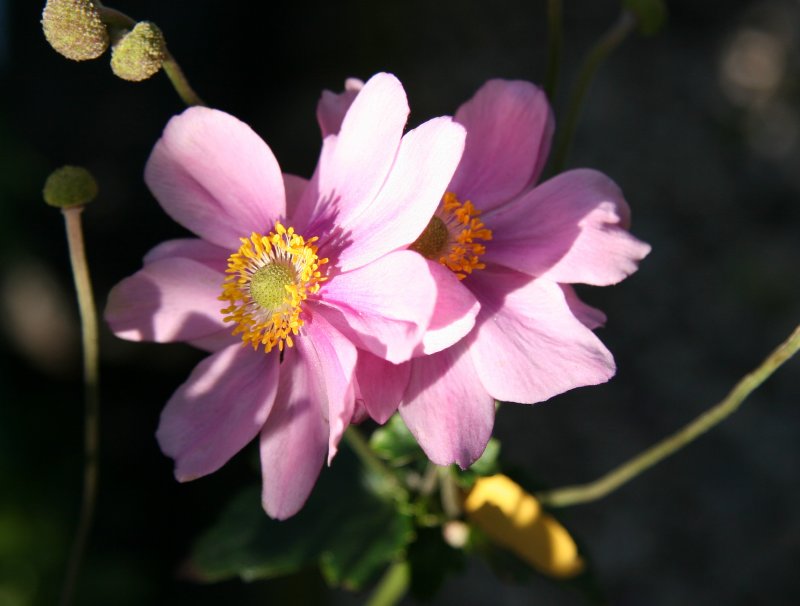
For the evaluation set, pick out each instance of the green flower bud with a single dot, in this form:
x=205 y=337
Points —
x=70 y=186
x=139 y=53
x=74 y=29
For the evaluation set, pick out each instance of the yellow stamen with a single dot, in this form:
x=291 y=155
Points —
x=453 y=237
x=269 y=278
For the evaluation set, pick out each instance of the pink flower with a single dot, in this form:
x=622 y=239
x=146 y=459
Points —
x=517 y=248
x=302 y=272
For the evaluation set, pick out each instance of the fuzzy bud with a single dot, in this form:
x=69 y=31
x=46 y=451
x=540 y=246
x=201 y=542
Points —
x=74 y=29
x=70 y=186
x=139 y=53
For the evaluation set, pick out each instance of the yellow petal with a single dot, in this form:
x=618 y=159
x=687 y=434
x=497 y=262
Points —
x=513 y=519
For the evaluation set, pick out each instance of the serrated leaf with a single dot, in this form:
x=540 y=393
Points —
x=651 y=14
x=395 y=443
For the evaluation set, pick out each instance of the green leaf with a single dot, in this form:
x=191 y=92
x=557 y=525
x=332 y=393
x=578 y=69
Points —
x=370 y=537
x=248 y=544
x=651 y=14
x=352 y=532
x=395 y=443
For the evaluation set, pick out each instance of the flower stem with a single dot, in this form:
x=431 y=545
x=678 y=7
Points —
x=555 y=41
x=354 y=439
x=120 y=21
x=179 y=81
x=584 y=493
x=91 y=373
x=392 y=586
x=610 y=40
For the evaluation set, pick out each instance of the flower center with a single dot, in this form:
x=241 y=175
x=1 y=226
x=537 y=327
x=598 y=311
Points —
x=454 y=236
x=268 y=279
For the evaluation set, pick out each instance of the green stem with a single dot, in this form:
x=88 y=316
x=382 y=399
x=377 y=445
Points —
x=91 y=373
x=584 y=493
x=120 y=21
x=354 y=439
x=392 y=586
x=555 y=42
x=179 y=81
x=451 y=495
x=610 y=40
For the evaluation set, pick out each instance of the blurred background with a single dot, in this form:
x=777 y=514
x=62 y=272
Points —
x=700 y=125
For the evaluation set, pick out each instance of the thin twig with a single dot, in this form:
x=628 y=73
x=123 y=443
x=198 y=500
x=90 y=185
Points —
x=584 y=493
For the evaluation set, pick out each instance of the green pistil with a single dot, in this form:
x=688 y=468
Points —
x=432 y=243
x=268 y=285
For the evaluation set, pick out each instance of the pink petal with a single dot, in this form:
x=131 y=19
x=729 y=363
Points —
x=509 y=127
x=568 y=229
x=447 y=408
x=380 y=385
x=172 y=299
x=384 y=307
x=351 y=171
x=216 y=341
x=425 y=163
x=455 y=311
x=334 y=359
x=332 y=107
x=295 y=187
x=529 y=346
x=218 y=410
x=312 y=214
x=216 y=177
x=589 y=316
x=208 y=254
x=295 y=437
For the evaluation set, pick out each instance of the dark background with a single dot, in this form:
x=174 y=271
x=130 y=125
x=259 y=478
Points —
x=700 y=125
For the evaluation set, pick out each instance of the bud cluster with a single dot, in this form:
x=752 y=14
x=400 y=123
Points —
x=76 y=29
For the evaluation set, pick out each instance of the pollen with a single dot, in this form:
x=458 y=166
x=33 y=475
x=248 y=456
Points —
x=268 y=280
x=454 y=236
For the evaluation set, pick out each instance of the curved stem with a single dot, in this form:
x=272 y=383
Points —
x=392 y=586
x=91 y=373
x=584 y=493
x=610 y=40
x=179 y=81
x=354 y=439
x=555 y=42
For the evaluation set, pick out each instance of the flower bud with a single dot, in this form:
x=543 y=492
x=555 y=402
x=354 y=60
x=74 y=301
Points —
x=74 y=29
x=139 y=53
x=70 y=186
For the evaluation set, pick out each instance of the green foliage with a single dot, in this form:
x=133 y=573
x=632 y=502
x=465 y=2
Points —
x=651 y=14
x=395 y=444
x=364 y=542
x=349 y=530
